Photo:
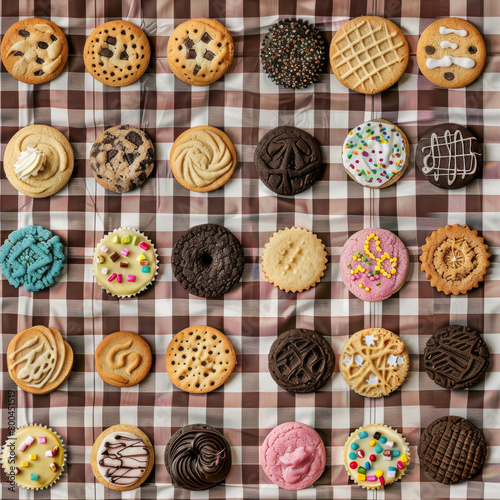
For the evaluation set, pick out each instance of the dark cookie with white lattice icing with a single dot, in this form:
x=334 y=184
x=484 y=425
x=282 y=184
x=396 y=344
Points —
x=449 y=156
x=200 y=51
x=208 y=260
x=122 y=158
x=117 y=53
x=301 y=360
x=34 y=50
x=288 y=160
x=456 y=357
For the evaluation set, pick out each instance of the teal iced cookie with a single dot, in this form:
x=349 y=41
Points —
x=32 y=257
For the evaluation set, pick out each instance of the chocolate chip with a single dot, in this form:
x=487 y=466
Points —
x=188 y=42
x=472 y=49
x=377 y=436
x=24 y=33
x=106 y=52
x=449 y=76
x=124 y=56
x=209 y=55
x=191 y=54
x=39 y=73
x=196 y=70
x=53 y=38
x=134 y=138
x=130 y=157
x=206 y=38
x=18 y=53
x=111 y=154
x=111 y=40
x=39 y=60
x=43 y=45
x=429 y=49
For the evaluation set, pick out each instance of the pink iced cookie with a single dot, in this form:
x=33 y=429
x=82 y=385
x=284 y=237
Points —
x=374 y=264
x=293 y=456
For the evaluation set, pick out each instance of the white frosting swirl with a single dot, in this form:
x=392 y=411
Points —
x=29 y=163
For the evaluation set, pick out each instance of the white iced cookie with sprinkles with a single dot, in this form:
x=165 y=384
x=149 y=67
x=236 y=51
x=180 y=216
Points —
x=125 y=262
x=376 y=153
x=375 y=456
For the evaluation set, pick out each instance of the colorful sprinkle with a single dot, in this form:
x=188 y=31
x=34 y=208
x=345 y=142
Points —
x=353 y=465
x=363 y=435
x=373 y=442
x=378 y=449
x=100 y=259
x=22 y=446
x=144 y=245
x=134 y=240
x=382 y=480
x=131 y=278
x=34 y=477
x=360 y=453
x=400 y=465
x=24 y=463
x=29 y=440
x=354 y=446
x=144 y=262
x=361 y=470
x=123 y=263
x=42 y=439
x=367 y=466
x=404 y=458
x=50 y=453
x=383 y=440
x=53 y=467
x=32 y=456
x=112 y=277
x=141 y=257
x=104 y=249
x=145 y=269
x=125 y=252
x=104 y=270
x=126 y=240
x=353 y=455
x=373 y=458
x=55 y=449
x=114 y=256
x=116 y=239
x=361 y=477
x=119 y=278
x=371 y=478
x=387 y=455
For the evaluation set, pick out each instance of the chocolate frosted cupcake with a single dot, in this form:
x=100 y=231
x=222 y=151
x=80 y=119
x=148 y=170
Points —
x=198 y=457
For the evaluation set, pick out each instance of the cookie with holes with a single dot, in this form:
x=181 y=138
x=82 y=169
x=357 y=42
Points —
x=117 y=53
x=122 y=158
x=200 y=51
x=34 y=50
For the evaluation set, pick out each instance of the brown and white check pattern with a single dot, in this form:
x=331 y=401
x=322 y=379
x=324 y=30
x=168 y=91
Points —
x=245 y=104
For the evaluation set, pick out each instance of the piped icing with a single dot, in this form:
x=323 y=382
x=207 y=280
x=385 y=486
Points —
x=450 y=31
x=447 y=61
x=29 y=163
x=445 y=44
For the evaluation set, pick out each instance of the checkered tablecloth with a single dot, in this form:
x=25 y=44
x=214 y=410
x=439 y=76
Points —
x=245 y=104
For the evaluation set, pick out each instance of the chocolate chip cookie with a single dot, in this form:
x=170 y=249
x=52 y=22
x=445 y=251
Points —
x=200 y=51
x=288 y=160
x=301 y=360
x=34 y=50
x=117 y=53
x=122 y=158
x=208 y=260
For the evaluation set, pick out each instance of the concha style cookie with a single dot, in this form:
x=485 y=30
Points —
x=38 y=161
x=374 y=362
x=117 y=53
x=369 y=54
x=34 y=50
x=200 y=51
x=203 y=159
x=455 y=259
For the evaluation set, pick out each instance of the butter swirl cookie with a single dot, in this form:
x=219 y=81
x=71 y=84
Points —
x=38 y=161
x=203 y=159
x=34 y=50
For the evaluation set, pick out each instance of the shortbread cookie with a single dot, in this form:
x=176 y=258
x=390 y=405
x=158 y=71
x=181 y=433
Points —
x=376 y=153
x=200 y=359
x=203 y=159
x=455 y=259
x=451 y=52
x=34 y=50
x=123 y=359
x=117 y=53
x=288 y=160
x=452 y=449
x=38 y=161
x=200 y=51
x=374 y=362
x=122 y=457
x=39 y=360
x=125 y=262
x=294 y=259
x=369 y=54
x=122 y=158
x=34 y=457
x=293 y=54
x=375 y=456
x=449 y=156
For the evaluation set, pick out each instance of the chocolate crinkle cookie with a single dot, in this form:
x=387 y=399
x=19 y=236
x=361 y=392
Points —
x=208 y=260
x=293 y=54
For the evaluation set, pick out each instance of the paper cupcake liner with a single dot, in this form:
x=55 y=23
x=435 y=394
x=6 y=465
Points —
x=63 y=466
x=156 y=256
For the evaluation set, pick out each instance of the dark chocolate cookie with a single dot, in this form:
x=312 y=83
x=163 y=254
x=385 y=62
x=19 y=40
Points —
x=198 y=457
x=452 y=449
x=449 y=156
x=456 y=357
x=288 y=160
x=293 y=54
x=208 y=260
x=301 y=360
x=122 y=158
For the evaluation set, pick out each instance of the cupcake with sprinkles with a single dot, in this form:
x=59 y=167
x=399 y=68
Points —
x=293 y=54
x=376 y=153
x=375 y=456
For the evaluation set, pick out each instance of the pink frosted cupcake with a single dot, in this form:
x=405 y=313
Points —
x=374 y=264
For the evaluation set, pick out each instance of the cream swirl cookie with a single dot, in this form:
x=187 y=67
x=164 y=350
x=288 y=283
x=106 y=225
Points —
x=203 y=159
x=38 y=161
x=376 y=153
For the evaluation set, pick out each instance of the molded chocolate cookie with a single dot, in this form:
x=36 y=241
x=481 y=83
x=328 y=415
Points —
x=122 y=158
x=288 y=160
x=301 y=360
x=456 y=357
x=452 y=449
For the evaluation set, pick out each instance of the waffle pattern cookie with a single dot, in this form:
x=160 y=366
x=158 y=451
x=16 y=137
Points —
x=451 y=450
x=34 y=50
x=200 y=359
x=294 y=259
x=455 y=259
x=369 y=54
x=203 y=159
x=200 y=51
x=117 y=53
x=374 y=362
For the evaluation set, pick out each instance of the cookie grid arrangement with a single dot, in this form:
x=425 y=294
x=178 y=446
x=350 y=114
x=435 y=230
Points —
x=395 y=362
